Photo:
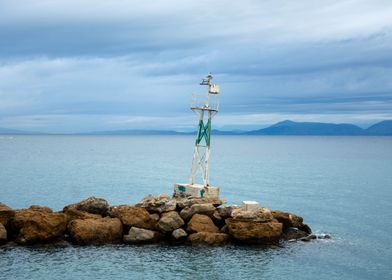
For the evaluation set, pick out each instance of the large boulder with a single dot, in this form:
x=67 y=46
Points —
x=205 y=209
x=161 y=203
x=254 y=232
x=305 y=228
x=6 y=214
x=32 y=226
x=93 y=205
x=3 y=234
x=201 y=223
x=41 y=208
x=287 y=219
x=208 y=238
x=140 y=235
x=183 y=202
x=95 y=231
x=225 y=211
x=293 y=234
x=133 y=216
x=170 y=221
x=73 y=213
x=262 y=215
x=179 y=235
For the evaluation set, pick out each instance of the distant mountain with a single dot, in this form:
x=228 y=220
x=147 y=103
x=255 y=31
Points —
x=137 y=132
x=308 y=128
x=287 y=127
x=381 y=128
x=226 y=132
x=159 y=132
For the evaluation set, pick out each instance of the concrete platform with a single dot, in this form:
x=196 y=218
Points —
x=196 y=190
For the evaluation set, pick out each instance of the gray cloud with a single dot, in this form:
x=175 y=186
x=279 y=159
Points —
x=117 y=64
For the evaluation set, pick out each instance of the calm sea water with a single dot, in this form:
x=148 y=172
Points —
x=340 y=185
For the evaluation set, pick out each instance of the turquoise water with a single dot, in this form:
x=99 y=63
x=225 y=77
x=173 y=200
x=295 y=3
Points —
x=340 y=185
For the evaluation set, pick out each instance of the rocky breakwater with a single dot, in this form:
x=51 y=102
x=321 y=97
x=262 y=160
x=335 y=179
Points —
x=173 y=220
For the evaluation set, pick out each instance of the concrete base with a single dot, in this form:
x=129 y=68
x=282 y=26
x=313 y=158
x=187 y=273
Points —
x=196 y=190
x=250 y=206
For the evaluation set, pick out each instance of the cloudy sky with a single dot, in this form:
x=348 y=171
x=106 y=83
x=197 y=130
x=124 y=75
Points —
x=84 y=65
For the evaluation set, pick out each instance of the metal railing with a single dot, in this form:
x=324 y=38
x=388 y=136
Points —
x=205 y=101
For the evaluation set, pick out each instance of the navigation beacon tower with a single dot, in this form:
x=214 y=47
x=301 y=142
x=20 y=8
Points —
x=205 y=106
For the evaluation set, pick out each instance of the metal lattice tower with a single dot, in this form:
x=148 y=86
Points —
x=205 y=106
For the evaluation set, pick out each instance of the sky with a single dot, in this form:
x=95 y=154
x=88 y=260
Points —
x=91 y=65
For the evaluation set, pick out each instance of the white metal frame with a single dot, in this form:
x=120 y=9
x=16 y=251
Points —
x=205 y=111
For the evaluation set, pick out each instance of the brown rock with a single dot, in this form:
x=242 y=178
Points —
x=74 y=214
x=287 y=219
x=225 y=211
x=208 y=238
x=262 y=215
x=93 y=205
x=305 y=228
x=201 y=223
x=133 y=216
x=204 y=209
x=183 y=202
x=140 y=235
x=161 y=203
x=293 y=233
x=3 y=234
x=170 y=221
x=155 y=217
x=179 y=234
x=186 y=213
x=95 y=231
x=41 y=208
x=253 y=232
x=37 y=226
x=6 y=213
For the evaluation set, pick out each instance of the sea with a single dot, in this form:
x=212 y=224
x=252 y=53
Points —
x=341 y=186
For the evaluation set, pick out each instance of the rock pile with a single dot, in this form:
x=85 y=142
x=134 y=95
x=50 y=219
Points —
x=174 y=220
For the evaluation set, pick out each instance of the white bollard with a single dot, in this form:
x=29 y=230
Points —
x=252 y=206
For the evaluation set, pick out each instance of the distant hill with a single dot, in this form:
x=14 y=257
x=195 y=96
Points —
x=287 y=127
x=225 y=132
x=136 y=132
x=381 y=128
x=308 y=128
x=159 y=132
